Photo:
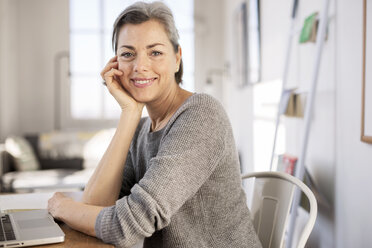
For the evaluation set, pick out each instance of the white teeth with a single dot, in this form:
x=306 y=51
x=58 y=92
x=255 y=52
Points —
x=143 y=81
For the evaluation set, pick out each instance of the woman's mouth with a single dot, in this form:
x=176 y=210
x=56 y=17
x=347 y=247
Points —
x=142 y=82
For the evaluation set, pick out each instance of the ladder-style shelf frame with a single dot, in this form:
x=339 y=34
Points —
x=300 y=166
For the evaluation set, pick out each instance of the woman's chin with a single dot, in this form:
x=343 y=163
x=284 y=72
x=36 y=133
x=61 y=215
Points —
x=138 y=96
x=142 y=95
x=141 y=98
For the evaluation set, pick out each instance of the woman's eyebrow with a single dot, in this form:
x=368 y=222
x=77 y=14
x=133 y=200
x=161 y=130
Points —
x=148 y=46
x=154 y=45
x=127 y=46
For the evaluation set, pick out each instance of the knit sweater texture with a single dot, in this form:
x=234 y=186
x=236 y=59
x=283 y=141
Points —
x=181 y=185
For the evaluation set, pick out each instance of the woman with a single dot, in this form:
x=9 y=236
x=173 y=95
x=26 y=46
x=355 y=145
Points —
x=172 y=178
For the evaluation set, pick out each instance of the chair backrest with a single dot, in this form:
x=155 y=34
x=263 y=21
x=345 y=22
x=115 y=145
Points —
x=271 y=202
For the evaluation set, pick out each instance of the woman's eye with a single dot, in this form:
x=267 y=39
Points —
x=156 y=53
x=127 y=55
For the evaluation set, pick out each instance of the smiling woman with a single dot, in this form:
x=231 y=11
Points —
x=172 y=178
x=147 y=58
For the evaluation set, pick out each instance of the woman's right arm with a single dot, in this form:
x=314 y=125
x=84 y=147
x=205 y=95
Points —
x=104 y=186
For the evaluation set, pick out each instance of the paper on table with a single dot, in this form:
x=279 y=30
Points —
x=31 y=200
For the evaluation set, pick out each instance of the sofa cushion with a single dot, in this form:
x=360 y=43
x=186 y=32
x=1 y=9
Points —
x=23 y=154
x=28 y=181
x=96 y=147
x=63 y=144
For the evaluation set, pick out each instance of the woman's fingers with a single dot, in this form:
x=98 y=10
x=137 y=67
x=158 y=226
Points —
x=111 y=64
x=109 y=76
x=113 y=59
x=54 y=204
x=108 y=67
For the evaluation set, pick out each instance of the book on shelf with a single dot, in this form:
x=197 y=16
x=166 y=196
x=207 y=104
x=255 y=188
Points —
x=292 y=103
x=287 y=163
x=309 y=29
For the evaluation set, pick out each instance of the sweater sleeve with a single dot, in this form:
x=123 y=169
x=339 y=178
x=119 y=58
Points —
x=188 y=154
x=128 y=177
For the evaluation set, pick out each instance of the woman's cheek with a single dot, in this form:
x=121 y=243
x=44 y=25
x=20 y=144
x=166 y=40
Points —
x=124 y=78
x=124 y=81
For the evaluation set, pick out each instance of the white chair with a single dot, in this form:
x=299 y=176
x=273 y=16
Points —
x=271 y=202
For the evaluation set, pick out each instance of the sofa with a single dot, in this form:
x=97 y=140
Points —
x=55 y=161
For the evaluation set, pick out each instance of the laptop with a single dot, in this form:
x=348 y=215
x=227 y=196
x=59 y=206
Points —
x=28 y=228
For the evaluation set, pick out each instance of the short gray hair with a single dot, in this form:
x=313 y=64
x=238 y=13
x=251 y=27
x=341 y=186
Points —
x=140 y=12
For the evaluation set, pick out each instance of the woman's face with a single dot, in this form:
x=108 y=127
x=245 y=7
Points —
x=147 y=58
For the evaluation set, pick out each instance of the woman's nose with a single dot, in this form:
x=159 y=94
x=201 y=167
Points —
x=141 y=63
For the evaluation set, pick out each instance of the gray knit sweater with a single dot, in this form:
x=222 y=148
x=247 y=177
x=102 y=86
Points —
x=181 y=185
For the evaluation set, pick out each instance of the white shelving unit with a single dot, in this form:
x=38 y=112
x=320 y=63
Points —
x=300 y=166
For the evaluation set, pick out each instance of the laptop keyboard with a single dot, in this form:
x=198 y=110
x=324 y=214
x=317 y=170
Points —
x=6 y=229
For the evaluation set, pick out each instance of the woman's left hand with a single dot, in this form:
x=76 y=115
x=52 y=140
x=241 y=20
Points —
x=57 y=205
x=75 y=214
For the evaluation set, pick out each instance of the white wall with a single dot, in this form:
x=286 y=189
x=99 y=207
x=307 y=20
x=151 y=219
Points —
x=9 y=97
x=208 y=43
x=43 y=32
x=238 y=101
x=354 y=159
x=32 y=32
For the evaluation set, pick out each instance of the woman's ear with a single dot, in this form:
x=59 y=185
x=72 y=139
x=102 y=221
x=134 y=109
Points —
x=178 y=58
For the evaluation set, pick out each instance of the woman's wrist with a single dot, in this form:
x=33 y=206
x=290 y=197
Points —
x=134 y=112
x=79 y=216
x=63 y=211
